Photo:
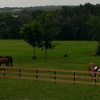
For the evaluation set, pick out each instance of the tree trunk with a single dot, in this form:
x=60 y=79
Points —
x=34 y=52
x=45 y=55
x=34 y=57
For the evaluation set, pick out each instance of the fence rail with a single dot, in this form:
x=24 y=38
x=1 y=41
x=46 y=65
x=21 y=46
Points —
x=50 y=75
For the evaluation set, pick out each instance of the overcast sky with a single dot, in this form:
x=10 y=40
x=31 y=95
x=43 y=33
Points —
x=28 y=3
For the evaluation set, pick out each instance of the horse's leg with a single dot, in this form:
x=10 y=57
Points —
x=8 y=64
x=11 y=63
x=96 y=75
x=92 y=74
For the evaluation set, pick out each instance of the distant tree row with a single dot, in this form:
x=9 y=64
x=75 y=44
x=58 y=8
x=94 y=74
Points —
x=18 y=9
x=73 y=22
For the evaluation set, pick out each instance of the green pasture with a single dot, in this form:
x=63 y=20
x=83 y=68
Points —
x=80 y=54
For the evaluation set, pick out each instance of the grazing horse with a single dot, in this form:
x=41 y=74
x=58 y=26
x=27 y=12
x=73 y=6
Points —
x=9 y=58
x=4 y=60
x=92 y=67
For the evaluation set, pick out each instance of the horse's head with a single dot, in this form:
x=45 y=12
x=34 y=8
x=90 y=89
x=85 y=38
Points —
x=96 y=68
x=99 y=70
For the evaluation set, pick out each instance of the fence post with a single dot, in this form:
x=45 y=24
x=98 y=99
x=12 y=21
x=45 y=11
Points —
x=19 y=73
x=36 y=75
x=55 y=76
x=4 y=73
x=74 y=77
x=95 y=79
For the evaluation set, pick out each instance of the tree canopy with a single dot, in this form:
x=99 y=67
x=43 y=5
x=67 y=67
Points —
x=71 y=22
x=32 y=33
x=36 y=34
x=93 y=25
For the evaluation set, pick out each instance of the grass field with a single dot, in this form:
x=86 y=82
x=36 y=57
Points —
x=80 y=53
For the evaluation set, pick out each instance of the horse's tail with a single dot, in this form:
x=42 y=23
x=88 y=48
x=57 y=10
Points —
x=10 y=60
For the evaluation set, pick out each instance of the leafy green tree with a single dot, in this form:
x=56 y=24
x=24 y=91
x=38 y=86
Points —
x=93 y=24
x=32 y=33
x=14 y=27
x=98 y=49
x=36 y=13
x=24 y=17
x=49 y=27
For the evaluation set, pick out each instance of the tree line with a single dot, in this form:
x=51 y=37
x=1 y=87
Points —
x=80 y=22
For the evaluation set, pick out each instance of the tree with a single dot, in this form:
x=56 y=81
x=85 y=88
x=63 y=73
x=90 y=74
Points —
x=36 y=13
x=93 y=24
x=24 y=17
x=98 y=49
x=32 y=33
x=49 y=27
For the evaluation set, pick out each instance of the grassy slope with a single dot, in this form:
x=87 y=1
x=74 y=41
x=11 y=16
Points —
x=80 y=53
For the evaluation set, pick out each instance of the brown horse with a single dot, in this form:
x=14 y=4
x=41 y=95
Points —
x=9 y=58
x=92 y=67
x=4 y=60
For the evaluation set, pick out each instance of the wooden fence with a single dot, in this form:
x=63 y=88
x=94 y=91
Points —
x=50 y=75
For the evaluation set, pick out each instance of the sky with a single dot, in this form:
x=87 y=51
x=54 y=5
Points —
x=29 y=3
